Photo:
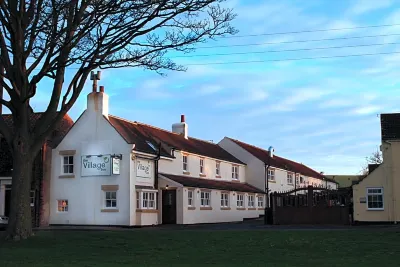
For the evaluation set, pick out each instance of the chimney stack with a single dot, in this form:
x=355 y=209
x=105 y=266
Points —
x=97 y=102
x=181 y=128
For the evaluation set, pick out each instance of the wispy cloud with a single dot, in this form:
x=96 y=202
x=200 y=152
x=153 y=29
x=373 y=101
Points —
x=361 y=7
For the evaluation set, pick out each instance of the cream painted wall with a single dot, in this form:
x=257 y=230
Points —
x=175 y=166
x=91 y=135
x=387 y=176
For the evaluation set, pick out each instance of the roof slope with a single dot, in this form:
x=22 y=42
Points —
x=390 y=126
x=345 y=180
x=280 y=162
x=137 y=133
x=212 y=184
x=57 y=135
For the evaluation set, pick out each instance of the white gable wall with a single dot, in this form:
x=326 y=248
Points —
x=92 y=134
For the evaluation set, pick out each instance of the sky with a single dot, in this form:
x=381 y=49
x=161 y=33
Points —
x=320 y=112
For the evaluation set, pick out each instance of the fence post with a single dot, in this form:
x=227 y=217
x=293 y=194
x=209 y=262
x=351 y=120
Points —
x=310 y=196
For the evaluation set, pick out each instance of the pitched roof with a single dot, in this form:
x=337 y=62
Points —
x=138 y=133
x=390 y=126
x=345 y=180
x=58 y=134
x=212 y=184
x=280 y=162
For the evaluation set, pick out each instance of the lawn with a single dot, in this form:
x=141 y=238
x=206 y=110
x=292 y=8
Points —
x=149 y=248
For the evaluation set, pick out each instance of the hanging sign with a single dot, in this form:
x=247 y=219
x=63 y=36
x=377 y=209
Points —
x=115 y=165
x=143 y=168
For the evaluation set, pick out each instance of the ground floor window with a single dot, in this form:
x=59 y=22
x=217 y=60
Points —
x=205 y=199
x=250 y=201
x=146 y=200
x=62 y=205
x=240 y=201
x=111 y=199
x=190 y=198
x=260 y=201
x=224 y=200
x=375 y=198
x=32 y=198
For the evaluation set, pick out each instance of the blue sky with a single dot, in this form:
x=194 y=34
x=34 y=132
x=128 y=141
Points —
x=322 y=113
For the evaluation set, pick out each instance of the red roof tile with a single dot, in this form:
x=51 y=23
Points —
x=279 y=162
x=212 y=184
x=138 y=133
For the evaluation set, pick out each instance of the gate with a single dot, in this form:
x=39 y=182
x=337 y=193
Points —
x=312 y=205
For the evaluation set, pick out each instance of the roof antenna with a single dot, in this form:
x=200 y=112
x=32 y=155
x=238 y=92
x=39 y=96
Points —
x=95 y=77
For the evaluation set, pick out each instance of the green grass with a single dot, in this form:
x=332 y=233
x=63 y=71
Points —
x=149 y=248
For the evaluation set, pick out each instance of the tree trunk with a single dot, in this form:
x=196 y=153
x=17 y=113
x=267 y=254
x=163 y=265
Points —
x=20 y=222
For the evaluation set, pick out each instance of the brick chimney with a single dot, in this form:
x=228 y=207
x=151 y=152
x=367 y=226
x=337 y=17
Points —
x=97 y=101
x=181 y=127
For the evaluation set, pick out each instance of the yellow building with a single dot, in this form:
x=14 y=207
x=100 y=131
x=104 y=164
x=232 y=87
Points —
x=375 y=196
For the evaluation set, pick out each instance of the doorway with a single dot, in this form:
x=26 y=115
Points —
x=169 y=206
x=7 y=201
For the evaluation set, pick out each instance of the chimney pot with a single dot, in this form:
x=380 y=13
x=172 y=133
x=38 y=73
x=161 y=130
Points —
x=102 y=88
x=182 y=118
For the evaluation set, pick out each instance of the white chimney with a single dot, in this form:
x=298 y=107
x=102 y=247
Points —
x=181 y=128
x=271 y=151
x=97 y=101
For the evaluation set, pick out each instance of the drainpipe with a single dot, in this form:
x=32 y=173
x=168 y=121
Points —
x=266 y=186
x=156 y=159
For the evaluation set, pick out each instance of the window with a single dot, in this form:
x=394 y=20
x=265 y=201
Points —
x=68 y=164
x=32 y=198
x=146 y=200
x=235 y=172
x=290 y=178
x=271 y=174
x=375 y=198
x=205 y=199
x=62 y=205
x=185 y=163
x=260 y=201
x=202 y=166
x=240 y=201
x=224 y=200
x=250 y=201
x=217 y=168
x=111 y=199
x=301 y=180
x=190 y=198
x=297 y=179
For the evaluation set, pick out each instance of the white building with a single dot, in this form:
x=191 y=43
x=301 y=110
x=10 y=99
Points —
x=284 y=174
x=105 y=170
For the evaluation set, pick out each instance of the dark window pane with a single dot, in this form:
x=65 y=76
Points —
x=71 y=160
x=71 y=168
x=66 y=169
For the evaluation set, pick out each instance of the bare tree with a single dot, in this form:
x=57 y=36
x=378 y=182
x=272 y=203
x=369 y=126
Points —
x=374 y=158
x=40 y=39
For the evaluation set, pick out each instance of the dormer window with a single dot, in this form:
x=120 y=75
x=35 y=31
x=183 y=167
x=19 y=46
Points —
x=235 y=172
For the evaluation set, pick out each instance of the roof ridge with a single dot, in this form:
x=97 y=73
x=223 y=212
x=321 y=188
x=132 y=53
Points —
x=119 y=118
x=291 y=161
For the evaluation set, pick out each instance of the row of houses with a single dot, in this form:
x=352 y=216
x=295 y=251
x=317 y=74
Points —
x=106 y=170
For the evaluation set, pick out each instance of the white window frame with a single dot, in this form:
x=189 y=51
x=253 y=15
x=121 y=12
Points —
x=68 y=164
x=271 y=174
x=185 y=163
x=224 y=200
x=109 y=197
x=260 y=199
x=375 y=194
x=205 y=199
x=64 y=208
x=235 y=172
x=191 y=198
x=240 y=200
x=289 y=178
x=201 y=165
x=297 y=178
x=250 y=201
x=146 y=200
x=218 y=168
